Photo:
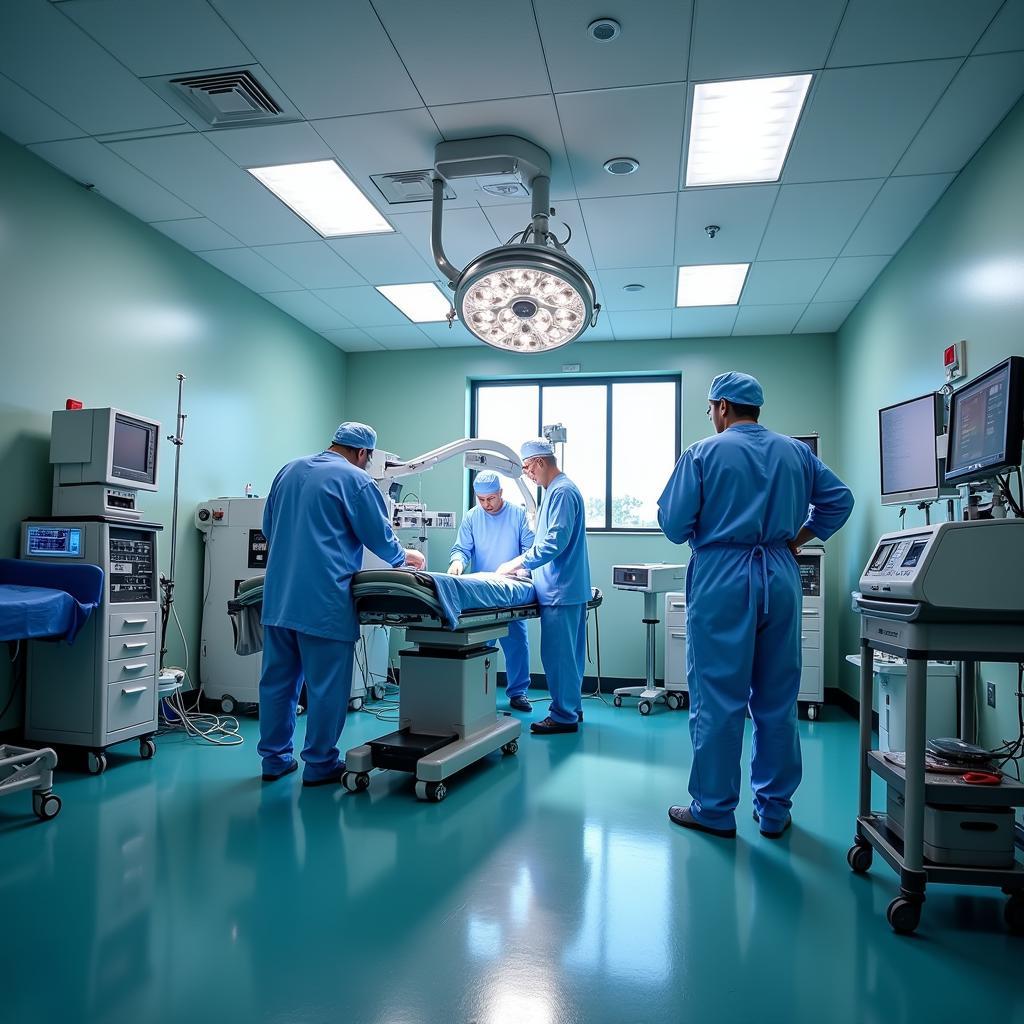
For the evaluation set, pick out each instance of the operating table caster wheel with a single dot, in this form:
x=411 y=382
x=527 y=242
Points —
x=512 y=747
x=96 y=763
x=47 y=805
x=147 y=748
x=674 y=701
x=644 y=707
x=355 y=704
x=433 y=792
x=859 y=858
x=356 y=782
x=903 y=915
x=617 y=701
x=228 y=704
x=812 y=712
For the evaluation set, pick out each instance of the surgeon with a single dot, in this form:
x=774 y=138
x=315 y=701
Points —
x=321 y=512
x=493 y=532
x=745 y=500
x=561 y=574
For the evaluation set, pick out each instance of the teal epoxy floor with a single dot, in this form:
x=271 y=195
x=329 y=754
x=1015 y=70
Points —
x=549 y=887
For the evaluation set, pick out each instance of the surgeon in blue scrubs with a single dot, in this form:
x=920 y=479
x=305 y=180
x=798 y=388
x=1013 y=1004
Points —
x=561 y=574
x=493 y=532
x=745 y=500
x=321 y=512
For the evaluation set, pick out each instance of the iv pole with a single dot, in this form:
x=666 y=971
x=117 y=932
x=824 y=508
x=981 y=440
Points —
x=167 y=582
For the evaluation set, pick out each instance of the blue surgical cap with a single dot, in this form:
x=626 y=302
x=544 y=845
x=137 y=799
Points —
x=487 y=483
x=738 y=388
x=356 y=435
x=537 y=446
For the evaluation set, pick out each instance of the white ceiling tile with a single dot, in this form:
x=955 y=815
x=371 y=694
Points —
x=645 y=123
x=703 y=321
x=364 y=307
x=631 y=231
x=384 y=259
x=823 y=317
x=746 y=38
x=352 y=340
x=197 y=234
x=774 y=282
x=153 y=37
x=330 y=58
x=455 y=337
x=767 y=319
x=741 y=213
x=850 y=278
x=308 y=309
x=601 y=332
x=51 y=57
x=89 y=162
x=534 y=118
x=815 y=220
x=650 y=325
x=487 y=49
x=659 y=290
x=312 y=264
x=266 y=145
x=465 y=234
x=1006 y=31
x=977 y=100
x=879 y=31
x=567 y=222
x=404 y=336
x=25 y=119
x=205 y=178
x=897 y=210
x=652 y=47
x=250 y=268
x=888 y=103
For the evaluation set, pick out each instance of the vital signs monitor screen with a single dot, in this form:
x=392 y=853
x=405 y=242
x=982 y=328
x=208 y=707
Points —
x=906 y=437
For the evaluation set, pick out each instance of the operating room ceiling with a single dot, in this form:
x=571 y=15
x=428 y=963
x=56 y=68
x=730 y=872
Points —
x=904 y=93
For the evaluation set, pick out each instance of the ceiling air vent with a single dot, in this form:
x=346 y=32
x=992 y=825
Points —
x=407 y=186
x=228 y=98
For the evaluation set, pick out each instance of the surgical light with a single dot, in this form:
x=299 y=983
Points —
x=421 y=303
x=716 y=284
x=528 y=295
x=740 y=131
x=324 y=196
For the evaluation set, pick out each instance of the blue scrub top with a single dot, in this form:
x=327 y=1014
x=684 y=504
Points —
x=488 y=540
x=758 y=487
x=320 y=514
x=558 y=557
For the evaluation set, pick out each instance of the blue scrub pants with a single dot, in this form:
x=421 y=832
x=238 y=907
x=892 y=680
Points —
x=516 y=647
x=288 y=657
x=740 y=655
x=563 y=652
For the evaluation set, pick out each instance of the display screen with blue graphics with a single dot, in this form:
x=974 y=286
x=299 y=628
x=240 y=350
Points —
x=55 y=541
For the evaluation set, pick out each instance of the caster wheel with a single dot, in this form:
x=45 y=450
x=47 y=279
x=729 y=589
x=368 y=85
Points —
x=97 y=763
x=356 y=782
x=812 y=712
x=617 y=701
x=46 y=805
x=684 y=701
x=228 y=704
x=356 y=704
x=903 y=915
x=433 y=792
x=1013 y=914
x=512 y=747
x=859 y=858
x=147 y=748
x=672 y=701
x=644 y=707
x=379 y=692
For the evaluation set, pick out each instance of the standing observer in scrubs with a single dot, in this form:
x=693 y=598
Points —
x=745 y=500
x=493 y=532
x=561 y=575
x=321 y=512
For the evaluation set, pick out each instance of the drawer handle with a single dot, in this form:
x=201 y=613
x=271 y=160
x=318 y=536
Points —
x=810 y=611
x=678 y=636
x=134 y=690
x=135 y=647
x=136 y=668
x=677 y=604
x=134 y=622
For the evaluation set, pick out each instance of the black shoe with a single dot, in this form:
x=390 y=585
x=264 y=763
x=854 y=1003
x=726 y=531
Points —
x=519 y=703
x=549 y=725
x=273 y=777
x=781 y=831
x=331 y=780
x=682 y=816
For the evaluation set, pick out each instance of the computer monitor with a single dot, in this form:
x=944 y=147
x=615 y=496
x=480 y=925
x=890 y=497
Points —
x=986 y=424
x=811 y=440
x=104 y=446
x=907 y=441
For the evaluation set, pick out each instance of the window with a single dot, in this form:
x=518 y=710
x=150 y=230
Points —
x=622 y=438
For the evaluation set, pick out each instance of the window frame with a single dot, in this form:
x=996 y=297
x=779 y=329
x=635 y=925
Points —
x=605 y=380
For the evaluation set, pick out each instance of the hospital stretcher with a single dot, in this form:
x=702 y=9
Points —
x=41 y=601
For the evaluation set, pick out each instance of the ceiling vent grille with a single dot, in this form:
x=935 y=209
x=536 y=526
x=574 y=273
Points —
x=408 y=186
x=228 y=98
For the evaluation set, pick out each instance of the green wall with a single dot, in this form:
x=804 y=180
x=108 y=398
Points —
x=419 y=400
x=98 y=306
x=961 y=275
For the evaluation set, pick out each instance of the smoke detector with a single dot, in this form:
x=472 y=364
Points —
x=604 y=30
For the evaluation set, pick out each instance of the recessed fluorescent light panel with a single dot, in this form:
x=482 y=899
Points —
x=740 y=131
x=324 y=196
x=421 y=303
x=718 y=284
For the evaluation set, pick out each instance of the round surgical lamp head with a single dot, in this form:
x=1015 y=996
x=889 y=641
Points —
x=525 y=298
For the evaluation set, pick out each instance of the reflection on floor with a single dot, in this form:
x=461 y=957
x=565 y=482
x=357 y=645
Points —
x=548 y=887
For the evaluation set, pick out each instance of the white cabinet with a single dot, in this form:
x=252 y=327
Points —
x=675 y=642
x=812 y=629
